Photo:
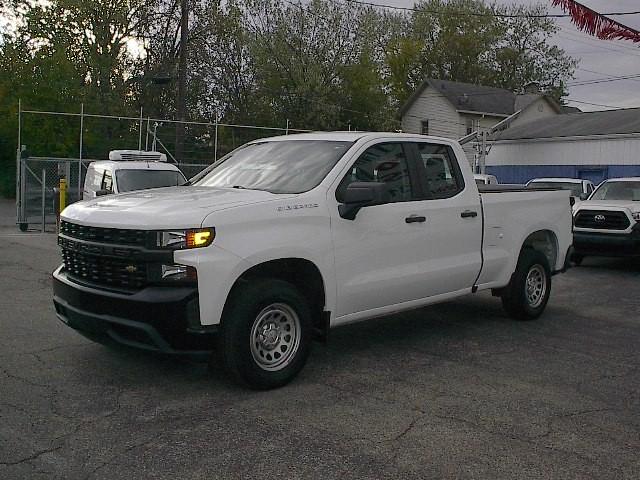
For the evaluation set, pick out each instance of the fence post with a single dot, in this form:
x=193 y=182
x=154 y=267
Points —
x=286 y=131
x=215 y=143
x=80 y=156
x=18 y=164
x=146 y=142
x=140 y=132
x=44 y=193
x=155 y=132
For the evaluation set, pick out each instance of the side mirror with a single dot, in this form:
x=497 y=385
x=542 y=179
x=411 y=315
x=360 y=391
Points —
x=100 y=193
x=362 y=194
x=584 y=196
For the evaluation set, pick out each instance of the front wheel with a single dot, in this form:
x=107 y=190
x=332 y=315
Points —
x=266 y=334
x=526 y=296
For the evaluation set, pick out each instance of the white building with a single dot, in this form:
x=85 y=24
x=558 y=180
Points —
x=455 y=109
x=591 y=145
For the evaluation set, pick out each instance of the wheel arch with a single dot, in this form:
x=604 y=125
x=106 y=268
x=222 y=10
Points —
x=300 y=272
x=544 y=241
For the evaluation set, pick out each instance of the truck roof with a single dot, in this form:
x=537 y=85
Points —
x=558 y=179
x=342 y=136
x=134 y=165
x=624 y=179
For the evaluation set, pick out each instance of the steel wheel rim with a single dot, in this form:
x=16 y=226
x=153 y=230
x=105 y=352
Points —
x=536 y=286
x=275 y=337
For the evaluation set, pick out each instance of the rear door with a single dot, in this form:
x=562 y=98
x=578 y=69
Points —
x=453 y=227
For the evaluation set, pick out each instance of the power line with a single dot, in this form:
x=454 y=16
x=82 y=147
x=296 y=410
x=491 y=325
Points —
x=603 y=80
x=570 y=30
x=633 y=52
x=478 y=14
x=602 y=73
x=597 y=104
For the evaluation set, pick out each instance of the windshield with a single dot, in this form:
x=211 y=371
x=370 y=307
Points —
x=618 y=191
x=129 y=180
x=288 y=166
x=576 y=188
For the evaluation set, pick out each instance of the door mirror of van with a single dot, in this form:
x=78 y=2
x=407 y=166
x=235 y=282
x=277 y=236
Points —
x=362 y=194
x=584 y=196
x=100 y=193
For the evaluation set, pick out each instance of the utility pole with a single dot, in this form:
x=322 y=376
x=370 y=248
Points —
x=182 y=80
x=483 y=152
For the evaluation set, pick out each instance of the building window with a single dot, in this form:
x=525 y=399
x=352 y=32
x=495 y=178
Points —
x=469 y=126
x=424 y=127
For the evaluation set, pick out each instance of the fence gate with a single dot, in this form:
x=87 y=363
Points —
x=37 y=194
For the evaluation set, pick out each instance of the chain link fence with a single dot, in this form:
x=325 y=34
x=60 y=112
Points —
x=57 y=145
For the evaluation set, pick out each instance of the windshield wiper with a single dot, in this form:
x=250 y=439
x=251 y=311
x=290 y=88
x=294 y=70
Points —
x=242 y=187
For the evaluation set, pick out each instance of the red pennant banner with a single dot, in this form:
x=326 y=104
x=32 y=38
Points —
x=595 y=24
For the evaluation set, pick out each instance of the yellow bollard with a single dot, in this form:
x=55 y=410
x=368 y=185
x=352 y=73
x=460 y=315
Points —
x=63 y=195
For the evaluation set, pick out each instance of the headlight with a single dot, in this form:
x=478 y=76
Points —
x=181 y=239
x=636 y=216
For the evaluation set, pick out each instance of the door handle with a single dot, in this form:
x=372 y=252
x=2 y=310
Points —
x=415 y=219
x=469 y=213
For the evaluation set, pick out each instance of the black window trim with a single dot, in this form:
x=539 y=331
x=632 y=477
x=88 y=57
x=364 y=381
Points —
x=421 y=175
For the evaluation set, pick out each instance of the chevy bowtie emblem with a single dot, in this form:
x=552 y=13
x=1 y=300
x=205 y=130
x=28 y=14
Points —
x=599 y=218
x=131 y=268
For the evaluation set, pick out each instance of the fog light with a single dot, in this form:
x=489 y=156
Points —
x=179 y=272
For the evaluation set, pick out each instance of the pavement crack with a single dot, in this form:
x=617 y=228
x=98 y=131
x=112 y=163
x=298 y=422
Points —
x=33 y=456
x=408 y=429
x=24 y=380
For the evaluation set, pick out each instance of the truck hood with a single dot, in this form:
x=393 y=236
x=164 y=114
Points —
x=161 y=208
x=606 y=204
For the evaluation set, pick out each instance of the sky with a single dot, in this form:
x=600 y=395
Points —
x=599 y=59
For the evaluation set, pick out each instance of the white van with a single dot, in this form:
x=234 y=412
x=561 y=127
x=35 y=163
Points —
x=106 y=177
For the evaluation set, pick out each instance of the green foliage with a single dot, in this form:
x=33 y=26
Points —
x=318 y=64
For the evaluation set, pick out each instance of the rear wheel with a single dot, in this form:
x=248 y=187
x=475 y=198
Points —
x=266 y=334
x=526 y=296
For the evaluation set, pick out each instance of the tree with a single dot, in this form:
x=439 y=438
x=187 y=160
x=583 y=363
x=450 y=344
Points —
x=463 y=41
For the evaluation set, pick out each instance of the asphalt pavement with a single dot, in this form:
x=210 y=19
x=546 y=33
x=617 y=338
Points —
x=456 y=391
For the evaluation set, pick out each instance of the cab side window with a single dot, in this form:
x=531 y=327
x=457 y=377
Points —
x=439 y=170
x=94 y=178
x=385 y=163
x=107 y=181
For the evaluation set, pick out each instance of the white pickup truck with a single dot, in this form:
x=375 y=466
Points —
x=287 y=237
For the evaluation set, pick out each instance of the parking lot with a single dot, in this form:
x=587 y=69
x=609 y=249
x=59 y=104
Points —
x=452 y=391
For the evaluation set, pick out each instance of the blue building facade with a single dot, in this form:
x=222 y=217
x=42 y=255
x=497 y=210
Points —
x=589 y=145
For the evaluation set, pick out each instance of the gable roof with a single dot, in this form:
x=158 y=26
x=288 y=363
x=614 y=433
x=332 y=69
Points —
x=605 y=122
x=478 y=98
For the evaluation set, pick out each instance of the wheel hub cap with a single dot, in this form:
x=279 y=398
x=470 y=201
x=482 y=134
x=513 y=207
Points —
x=536 y=286
x=275 y=337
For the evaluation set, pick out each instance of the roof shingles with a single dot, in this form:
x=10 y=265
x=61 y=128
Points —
x=606 y=122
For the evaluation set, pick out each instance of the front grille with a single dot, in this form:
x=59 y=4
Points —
x=117 y=236
x=114 y=272
x=602 y=220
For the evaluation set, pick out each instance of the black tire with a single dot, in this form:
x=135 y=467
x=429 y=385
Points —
x=521 y=302
x=256 y=348
x=577 y=259
x=23 y=226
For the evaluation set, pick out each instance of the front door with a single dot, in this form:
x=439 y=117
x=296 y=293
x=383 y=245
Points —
x=408 y=249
